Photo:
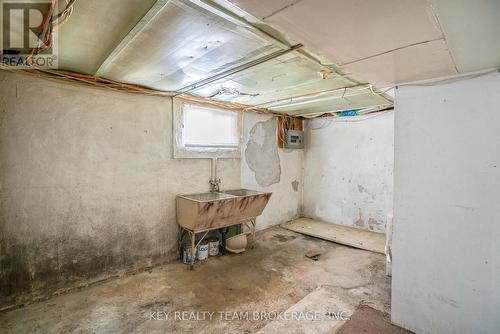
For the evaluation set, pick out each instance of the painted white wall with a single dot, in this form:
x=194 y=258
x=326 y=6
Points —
x=446 y=246
x=348 y=170
x=285 y=202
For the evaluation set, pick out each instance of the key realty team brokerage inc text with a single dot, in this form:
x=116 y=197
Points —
x=246 y=316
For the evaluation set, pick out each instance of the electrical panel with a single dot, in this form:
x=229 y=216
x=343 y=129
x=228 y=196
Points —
x=294 y=139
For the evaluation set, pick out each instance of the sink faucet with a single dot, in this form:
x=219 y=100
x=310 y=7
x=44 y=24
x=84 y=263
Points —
x=214 y=185
x=214 y=181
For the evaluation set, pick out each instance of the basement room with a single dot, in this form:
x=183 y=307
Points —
x=245 y=166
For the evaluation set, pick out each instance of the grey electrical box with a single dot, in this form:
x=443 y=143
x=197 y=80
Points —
x=294 y=139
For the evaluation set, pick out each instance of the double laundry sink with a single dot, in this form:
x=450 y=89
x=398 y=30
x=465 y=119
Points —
x=208 y=211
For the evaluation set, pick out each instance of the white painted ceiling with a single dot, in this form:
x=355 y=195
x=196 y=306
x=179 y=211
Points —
x=170 y=45
x=391 y=41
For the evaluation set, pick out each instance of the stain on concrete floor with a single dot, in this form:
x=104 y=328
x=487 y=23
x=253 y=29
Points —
x=270 y=278
x=368 y=320
x=283 y=238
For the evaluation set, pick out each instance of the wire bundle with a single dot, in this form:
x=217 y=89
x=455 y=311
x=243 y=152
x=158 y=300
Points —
x=51 y=22
x=286 y=123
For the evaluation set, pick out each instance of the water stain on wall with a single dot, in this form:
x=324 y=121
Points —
x=262 y=153
x=295 y=185
x=372 y=223
x=360 y=222
x=41 y=266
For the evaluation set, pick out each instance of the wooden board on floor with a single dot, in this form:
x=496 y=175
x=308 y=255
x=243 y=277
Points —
x=345 y=235
x=323 y=298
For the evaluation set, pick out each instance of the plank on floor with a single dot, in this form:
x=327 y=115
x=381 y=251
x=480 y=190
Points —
x=322 y=300
x=345 y=235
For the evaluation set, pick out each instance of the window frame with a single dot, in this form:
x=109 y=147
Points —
x=181 y=151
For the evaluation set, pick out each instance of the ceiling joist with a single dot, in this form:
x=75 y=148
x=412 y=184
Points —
x=136 y=31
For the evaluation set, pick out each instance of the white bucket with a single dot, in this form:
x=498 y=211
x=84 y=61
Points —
x=202 y=253
x=213 y=247
x=186 y=255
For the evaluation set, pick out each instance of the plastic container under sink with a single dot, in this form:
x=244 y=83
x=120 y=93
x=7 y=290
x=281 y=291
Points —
x=238 y=243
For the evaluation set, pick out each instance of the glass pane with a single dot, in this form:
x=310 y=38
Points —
x=209 y=127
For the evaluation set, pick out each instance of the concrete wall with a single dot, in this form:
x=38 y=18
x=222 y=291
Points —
x=446 y=245
x=348 y=170
x=87 y=184
x=265 y=167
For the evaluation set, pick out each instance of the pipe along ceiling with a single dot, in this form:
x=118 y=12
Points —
x=206 y=50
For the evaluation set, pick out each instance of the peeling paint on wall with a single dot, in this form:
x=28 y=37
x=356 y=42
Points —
x=360 y=222
x=295 y=185
x=351 y=182
x=372 y=223
x=278 y=210
x=262 y=153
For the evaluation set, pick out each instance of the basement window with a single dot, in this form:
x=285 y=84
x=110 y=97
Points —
x=202 y=131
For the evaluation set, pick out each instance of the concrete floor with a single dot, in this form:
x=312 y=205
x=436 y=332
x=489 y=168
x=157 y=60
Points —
x=273 y=277
x=370 y=321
